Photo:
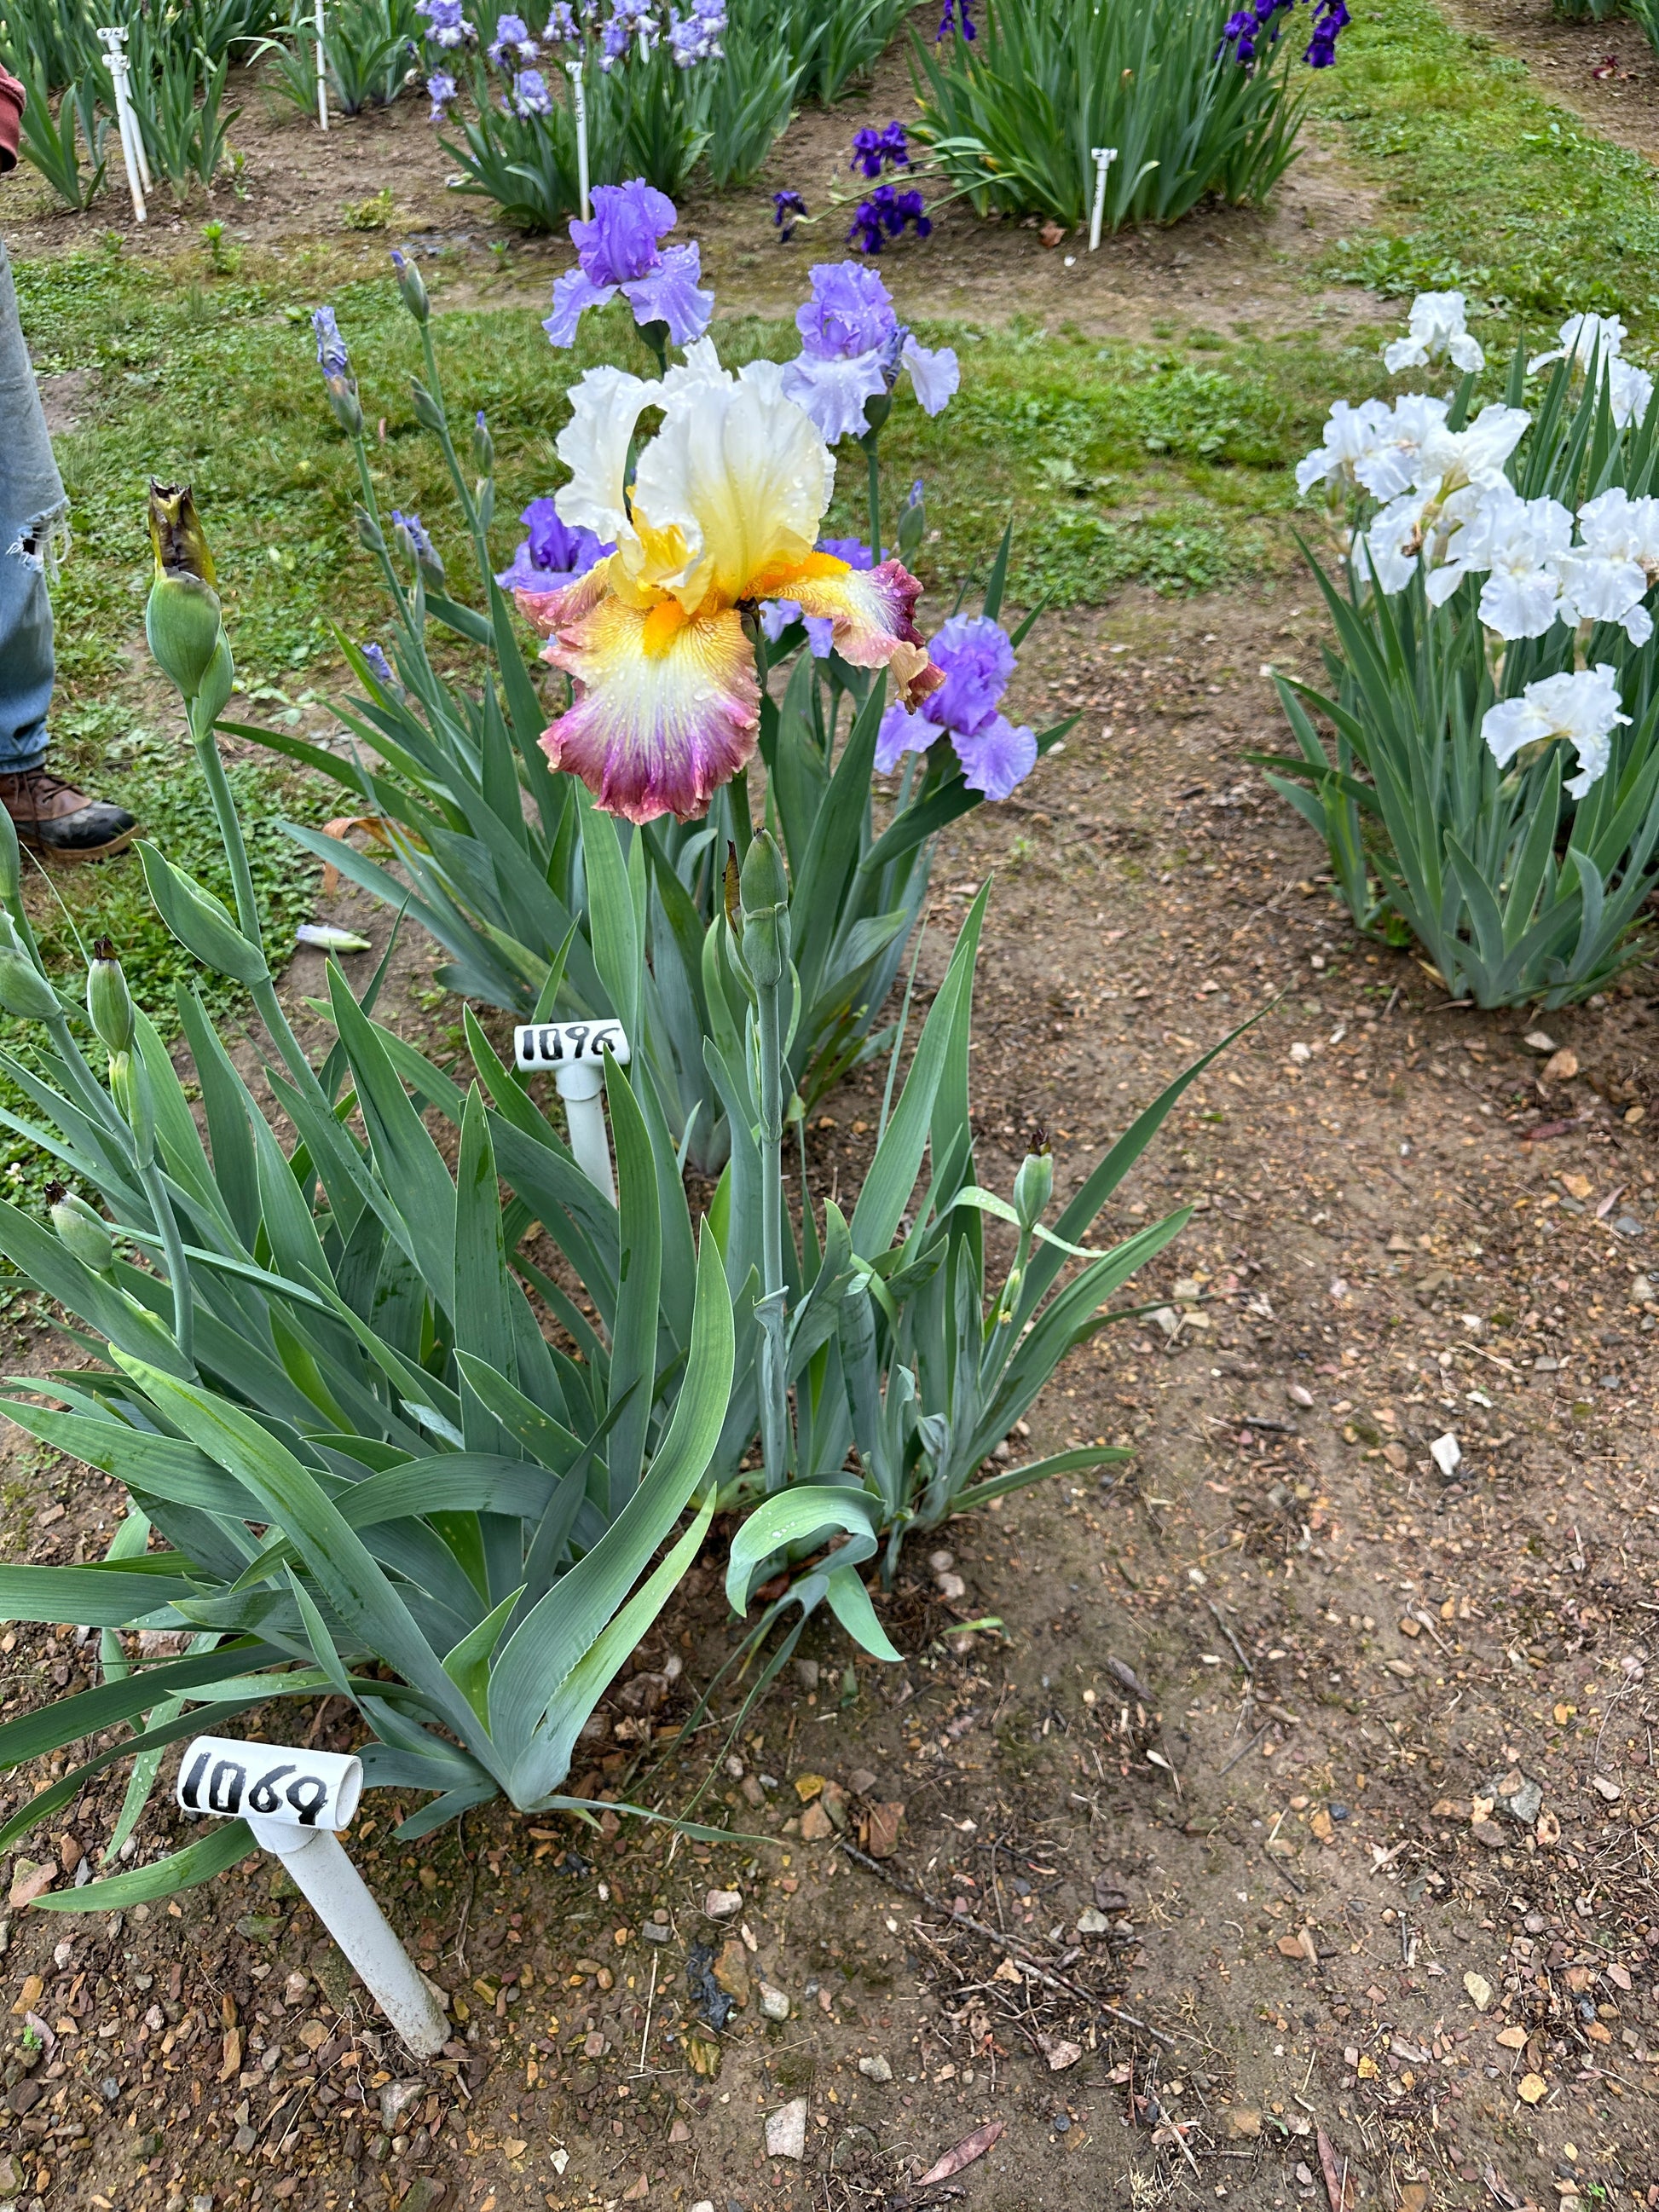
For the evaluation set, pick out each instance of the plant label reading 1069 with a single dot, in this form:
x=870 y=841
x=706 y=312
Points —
x=300 y=1789
x=558 y=1044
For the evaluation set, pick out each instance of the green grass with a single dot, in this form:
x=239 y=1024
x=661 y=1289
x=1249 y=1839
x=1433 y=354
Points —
x=1485 y=183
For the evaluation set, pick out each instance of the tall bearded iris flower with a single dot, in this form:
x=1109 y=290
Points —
x=721 y=514
x=621 y=250
x=975 y=658
x=853 y=348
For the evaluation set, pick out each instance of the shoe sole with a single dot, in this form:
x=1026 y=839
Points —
x=86 y=853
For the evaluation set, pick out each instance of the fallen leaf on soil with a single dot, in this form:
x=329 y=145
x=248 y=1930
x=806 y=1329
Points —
x=732 y=1970
x=1480 y=1989
x=31 y=1996
x=962 y=2154
x=1337 y=2184
x=1059 y=2053
x=1531 y=2086
x=1547 y=1829
x=1513 y=2038
x=702 y=2054
x=882 y=1827
x=1008 y=1971
x=1449 y=1808
x=1051 y=233
x=1414 y=2196
x=1320 y=1825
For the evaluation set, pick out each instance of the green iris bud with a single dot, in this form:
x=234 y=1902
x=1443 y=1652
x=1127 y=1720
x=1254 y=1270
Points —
x=80 y=1229
x=108 y=1000
x=129 y=1087
x=11 y=860
x=484 y=445
x=1035 y=1183
x=24 y=991
x=411 y=288
x=218 y=685
x=199 y=922
x=428 y=413
x=182 y=618
x=764 y=890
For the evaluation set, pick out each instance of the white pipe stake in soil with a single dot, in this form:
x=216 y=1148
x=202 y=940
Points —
x=292 y=1800
x=322 y=73
x=578 y=96
x=1105 y=156
x=575 y=1052
x=113 y=42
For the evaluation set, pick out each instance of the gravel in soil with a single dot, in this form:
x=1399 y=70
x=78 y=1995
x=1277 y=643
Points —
x=1289 y=1839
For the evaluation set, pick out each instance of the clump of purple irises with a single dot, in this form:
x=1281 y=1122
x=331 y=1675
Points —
x=1249 y=30
x=886 y=215
x=875 y=150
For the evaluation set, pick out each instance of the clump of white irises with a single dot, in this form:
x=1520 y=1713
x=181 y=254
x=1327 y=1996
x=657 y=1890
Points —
x=1444 y=504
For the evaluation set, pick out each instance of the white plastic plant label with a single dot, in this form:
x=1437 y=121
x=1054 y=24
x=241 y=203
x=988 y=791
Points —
x=565 y=1044
x=300 y=1788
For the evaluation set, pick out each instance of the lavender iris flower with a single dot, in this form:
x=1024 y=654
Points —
x=446 y=25
x=775 y=616
x=553 y=555
x=530 y=95
x=620 y=250
x=977 y=660
x=375 y=656
x=561 y=24
x=443 y=89
x=853 y=348
x=696 y=36
x=331 y=355
x=511 y=42
x=853 y=550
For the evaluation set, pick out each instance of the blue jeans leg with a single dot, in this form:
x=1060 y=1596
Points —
x=25 y=663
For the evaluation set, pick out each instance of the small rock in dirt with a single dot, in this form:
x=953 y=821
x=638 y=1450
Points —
x=1539 y=1040
x=1480 y=1989
x=1059 y=2053
x=31 y=1879
x=656 y=1931
x=774 y=2003
x=712 y=2002
x=731 y=1972
x=854 y=2145
x=703 y=2204
x=23 y=2096
x=1531 y=2088
x=1513 y=2038
x=721 y=1904
x=785 y=2130
x=425 y=2192
x=1604 y=1786
x=1051 y=234
x=1489 y=1833
x=1561 y=1066
x=806 y=1673
x=951 y=1587
x=1300 y=1395
x=1414 y=2196
x=861 y=1781
x=1243 y=2120
x=881 y=1836
x=244 y=2141
x=1091 y=1923
x=875 y=2068
x=396 y=2099
x=1447 y=1454
x=941 y=1562
x=816 y=1824
x=1520 y=1796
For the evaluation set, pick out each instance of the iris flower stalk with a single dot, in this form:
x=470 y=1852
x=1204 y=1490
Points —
x=764 y=950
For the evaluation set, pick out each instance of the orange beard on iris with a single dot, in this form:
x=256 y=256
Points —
x=667 y=704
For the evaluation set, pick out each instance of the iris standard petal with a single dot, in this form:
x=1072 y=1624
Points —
x=666 y=709
x=593 y=445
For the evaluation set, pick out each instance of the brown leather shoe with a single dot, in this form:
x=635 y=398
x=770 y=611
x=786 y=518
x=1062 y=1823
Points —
x=54 y=819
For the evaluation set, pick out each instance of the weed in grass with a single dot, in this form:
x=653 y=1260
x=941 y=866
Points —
x=377 y=212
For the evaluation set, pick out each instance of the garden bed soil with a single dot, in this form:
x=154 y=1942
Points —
x=1260 y=1710
x=1606 y=73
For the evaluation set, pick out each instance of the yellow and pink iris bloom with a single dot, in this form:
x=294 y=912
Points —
x=723 y=513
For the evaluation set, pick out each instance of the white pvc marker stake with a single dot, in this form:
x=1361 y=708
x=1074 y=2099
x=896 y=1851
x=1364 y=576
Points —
x=578 y=96
x=113 y=42
x=575 y=1050
x=322 y=73
x=293 y=1801
x=1105 y=156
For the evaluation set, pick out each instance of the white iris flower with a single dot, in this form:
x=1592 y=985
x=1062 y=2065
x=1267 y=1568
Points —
x=1580 y=708
x=1439 y=324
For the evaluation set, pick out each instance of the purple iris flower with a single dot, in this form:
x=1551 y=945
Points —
x=529 y=96
x=853 y=550
x=775 y=616
x=621 y=250
x=1330 y=18
x=874 y=150
x=553 y=555
x=375 y=656
x=331 y=355
x=446 y=25
x=853 y=348
x=443 y=89
x=884 y=215
x=511 y=42
x=977 y=660
x=696 y=36
x=788 y=207
x=949 y=21
x=561 y=24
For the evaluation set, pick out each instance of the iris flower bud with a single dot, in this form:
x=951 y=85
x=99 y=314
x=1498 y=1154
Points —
x=181 y=620
x=11 y=860
x=80 y=1229
x=129 y=1087
x=764 y=889
x=912 y=523
x=410 y=286
x=428 y=413
x=108 y=1000
x=484 y=445
x=1035 y=1183
x=24 y=991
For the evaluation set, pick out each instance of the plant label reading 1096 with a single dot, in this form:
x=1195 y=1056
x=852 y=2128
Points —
x=558 y=1044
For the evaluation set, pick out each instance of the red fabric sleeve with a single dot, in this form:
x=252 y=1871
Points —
x=11 y=112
